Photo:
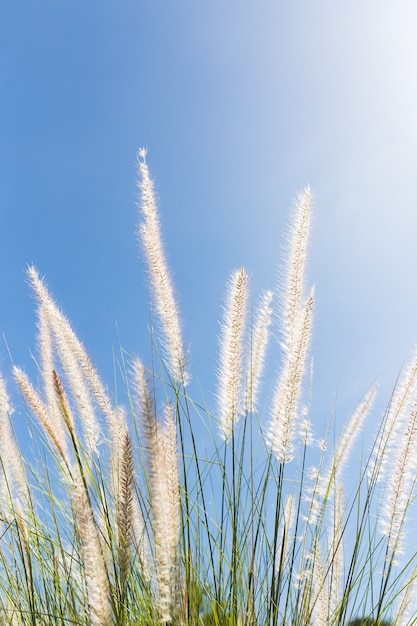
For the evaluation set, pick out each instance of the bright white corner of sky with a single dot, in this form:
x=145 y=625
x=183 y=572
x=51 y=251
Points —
x=241 y=104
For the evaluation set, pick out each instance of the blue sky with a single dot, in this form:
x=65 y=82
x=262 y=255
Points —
x=241 y=104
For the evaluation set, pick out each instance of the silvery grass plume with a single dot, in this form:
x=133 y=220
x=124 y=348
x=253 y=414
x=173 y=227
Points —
x=401 y=487
x=81 y=375
x=162 y=464
x=320 y=589
x=393 y=460
x=162 y=290
x=40 y=410
x=328 y=478
x=47 y=364
x=98 y=588
x=129 y=517
x=407 y=602
x=230 y=374
x=395 y=422
x=64 y=341
x=296 y=326
x=56 y=328
x=257 y=350
x=14 y=484
x=125 y=508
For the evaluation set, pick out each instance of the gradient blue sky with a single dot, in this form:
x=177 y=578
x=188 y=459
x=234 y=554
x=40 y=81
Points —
x=241 y=104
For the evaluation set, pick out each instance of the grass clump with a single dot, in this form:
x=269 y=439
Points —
x=126 y=518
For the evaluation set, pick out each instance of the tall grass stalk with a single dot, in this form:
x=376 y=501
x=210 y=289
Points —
x=163 y=511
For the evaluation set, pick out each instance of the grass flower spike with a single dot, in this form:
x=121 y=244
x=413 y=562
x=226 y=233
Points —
x=161 y=450
x=257 y=352
x=40 y=410
x=230 y=375
x=296 y=326
x=13 y=479
x=159 y=275
x=94 y=563
x=75 y=361
x=402 y=483
x=282 y=432
x=294 y=272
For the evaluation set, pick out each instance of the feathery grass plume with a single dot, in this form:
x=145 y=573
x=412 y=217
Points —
x=92 y=554
x=386 y=442
x=119 y=456
x=129 y=515
x=14 y=486
x=170 y=459
x=292 y=294
x=319 y=607
x=162 y=465
x=171 y=466
x=295 y=327
x=320 y=589
x=165 y=517
x=92 y=378
x=41 y=412
x=63 y=404
x=45 y=347
x=143 y=394
x=229 y=387
x=353 y=429
x=281 y=432
x=407 y=602
x=330 y=476
x=125 y=509
x=73 y=362
x=257 y=351
x=116 y=449
x=149 y=233
x=80 y=371
x=401 y=484
x=14 y=480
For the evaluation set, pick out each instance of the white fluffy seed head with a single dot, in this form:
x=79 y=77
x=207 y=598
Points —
x=257 y=350
x=295 y=328
x=94 y=562
x=230 y=375
x=400 y=487
x=292 y=292
x=282 y=429
x=162 y=289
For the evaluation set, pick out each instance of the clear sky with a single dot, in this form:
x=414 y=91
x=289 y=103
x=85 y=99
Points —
x=241 y=104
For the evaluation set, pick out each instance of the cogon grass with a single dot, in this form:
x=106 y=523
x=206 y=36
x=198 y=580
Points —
x=121 y=515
